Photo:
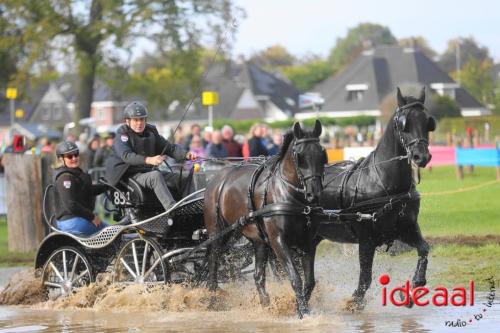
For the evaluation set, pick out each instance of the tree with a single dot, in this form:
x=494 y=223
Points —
x=443 y=106
x=476 y=79
x=362 y=36
x=272 y=57
x=469 y=49
x=166 y=77
x=305 y=76
x=496 y=101
x=94 y=28
x=419 y=43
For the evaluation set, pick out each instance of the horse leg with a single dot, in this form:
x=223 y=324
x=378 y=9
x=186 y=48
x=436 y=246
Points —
x=416 y=240
x=366 y=254
x=213 y=267
x=285 y=256
x=308 y=265
x=261 y=256
x=422 y=246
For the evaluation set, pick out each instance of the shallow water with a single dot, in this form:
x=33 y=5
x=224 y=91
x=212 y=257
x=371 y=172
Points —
x=104 y=308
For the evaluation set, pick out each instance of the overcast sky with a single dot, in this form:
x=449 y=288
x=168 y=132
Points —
x=312 y=26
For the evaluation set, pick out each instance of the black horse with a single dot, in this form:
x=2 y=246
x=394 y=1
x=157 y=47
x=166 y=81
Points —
x=273 y=201
x=382 y=184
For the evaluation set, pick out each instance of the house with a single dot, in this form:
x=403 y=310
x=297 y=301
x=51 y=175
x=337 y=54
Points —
x=245 y=92
x=373 y=76
x=57 y=106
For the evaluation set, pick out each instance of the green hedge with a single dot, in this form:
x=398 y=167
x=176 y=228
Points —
x=243 y=126
x=458 y=126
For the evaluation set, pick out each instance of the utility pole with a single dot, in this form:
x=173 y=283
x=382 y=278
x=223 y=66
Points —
x=457 y=60
x=11 y=95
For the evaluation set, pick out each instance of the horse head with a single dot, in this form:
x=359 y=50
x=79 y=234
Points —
x=412 y=125
x=309 y=160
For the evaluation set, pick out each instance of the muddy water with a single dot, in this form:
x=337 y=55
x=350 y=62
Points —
x=105 y=308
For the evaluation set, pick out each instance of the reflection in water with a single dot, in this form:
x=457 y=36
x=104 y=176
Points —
x=410 y=325
x=366 y=327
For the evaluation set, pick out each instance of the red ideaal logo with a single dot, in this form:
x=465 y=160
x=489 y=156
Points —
x=422 y=296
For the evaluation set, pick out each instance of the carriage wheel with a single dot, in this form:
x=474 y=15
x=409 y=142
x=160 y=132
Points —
x=66 y=270
x=139 y=261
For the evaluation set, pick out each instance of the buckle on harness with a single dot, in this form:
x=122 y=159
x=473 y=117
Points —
x=307 y=210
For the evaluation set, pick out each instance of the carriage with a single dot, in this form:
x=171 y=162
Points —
x=283 y=204
x=144 y=245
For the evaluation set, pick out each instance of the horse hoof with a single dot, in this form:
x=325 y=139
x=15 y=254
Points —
x=402 y=298
x=216 y=304
x=354 y=305
x=265 y=301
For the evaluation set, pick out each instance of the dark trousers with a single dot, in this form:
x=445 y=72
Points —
x=155 y=181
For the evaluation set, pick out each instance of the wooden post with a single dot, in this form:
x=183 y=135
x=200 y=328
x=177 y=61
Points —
x=460 y=172
x=24 y=201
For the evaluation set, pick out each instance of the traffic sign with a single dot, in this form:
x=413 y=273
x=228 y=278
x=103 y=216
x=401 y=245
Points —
x=209 y=98
x=11 y=93
x=19 y=113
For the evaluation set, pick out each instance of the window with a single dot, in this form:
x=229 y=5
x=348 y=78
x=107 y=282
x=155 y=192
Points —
x=355 y=95
x=57 y=112
x=45 y=112
x=100 y=114
x=356 y=91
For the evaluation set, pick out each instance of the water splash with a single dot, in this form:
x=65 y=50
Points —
x=24 y=288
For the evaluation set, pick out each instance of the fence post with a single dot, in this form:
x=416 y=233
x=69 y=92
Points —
x=23 y=177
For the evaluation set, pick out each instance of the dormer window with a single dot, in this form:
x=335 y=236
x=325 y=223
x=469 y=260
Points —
x=445 y=89
x=356 y=92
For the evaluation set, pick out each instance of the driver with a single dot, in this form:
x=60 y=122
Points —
x=76 y=194
x=137 y=148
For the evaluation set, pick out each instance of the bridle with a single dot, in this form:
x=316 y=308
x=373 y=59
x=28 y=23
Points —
x=302 y=178
x=400 y=125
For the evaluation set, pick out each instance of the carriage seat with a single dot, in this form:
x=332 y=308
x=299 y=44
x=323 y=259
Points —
x=138 y=195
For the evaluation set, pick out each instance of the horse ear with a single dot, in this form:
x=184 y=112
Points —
x=297 y=131
x=317 y=128
x=401 y=99
x=421 y=98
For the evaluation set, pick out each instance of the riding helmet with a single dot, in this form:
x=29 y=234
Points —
x=135 y=110
x=66 y=147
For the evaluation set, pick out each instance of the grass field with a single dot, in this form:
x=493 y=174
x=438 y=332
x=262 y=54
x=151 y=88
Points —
x=11 y=258
x=451 y=207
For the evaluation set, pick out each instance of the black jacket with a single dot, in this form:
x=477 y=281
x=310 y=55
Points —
x=75 y=194
x=256 y=147
x=131 y=149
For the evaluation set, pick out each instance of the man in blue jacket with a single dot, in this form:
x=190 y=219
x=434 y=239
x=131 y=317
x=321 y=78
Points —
x=138 y=148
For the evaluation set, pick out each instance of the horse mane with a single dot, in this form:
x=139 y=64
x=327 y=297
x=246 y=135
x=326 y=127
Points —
x=287 y=140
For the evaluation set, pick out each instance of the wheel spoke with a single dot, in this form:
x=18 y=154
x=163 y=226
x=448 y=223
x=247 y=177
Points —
x=51 y=284
x=144 y=259
x=152 y=268
x=74 y=267
x=54 y=268
x=128 y=268
x=65 y=268
x=136 y=263
x=82 y=274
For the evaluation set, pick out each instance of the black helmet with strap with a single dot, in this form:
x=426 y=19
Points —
x=66 y=147
x=135 y=110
